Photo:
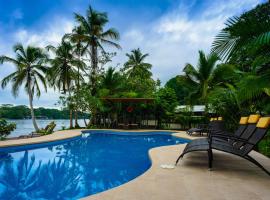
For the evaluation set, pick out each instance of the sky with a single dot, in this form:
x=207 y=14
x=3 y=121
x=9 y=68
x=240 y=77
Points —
x=171 y=31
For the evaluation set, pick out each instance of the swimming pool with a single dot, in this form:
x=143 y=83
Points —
x=78 y=167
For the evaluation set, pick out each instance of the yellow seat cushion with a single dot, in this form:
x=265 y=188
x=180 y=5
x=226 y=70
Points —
x=243 y=120
x=211 y=119
x=253 y=119
x=264 y=122
x=220 y=118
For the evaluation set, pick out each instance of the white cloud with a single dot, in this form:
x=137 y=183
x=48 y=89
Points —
x=52 y=34
x=175 y=38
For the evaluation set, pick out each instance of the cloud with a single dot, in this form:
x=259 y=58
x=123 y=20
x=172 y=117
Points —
x=51 y=34
x=175 y=38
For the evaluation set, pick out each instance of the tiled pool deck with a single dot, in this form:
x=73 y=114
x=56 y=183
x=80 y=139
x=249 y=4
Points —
x=232 y=178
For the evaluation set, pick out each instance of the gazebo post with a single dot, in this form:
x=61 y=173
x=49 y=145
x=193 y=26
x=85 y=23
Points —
x=129 y=118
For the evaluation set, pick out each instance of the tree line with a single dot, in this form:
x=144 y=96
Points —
x=23 y=112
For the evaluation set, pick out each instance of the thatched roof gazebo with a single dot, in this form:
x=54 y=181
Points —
x=126 y=118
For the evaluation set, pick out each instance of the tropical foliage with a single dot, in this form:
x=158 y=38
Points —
x=232 y=80
x=30 y=73
x=94 y=36
x=6 y=128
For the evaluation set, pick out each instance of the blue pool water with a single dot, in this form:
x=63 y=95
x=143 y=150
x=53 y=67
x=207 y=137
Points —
x=70 y=169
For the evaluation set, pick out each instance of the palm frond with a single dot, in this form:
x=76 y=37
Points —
x=4 y=59
x=251 y=86
x=8 y=78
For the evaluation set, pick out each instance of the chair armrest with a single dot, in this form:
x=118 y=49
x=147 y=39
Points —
x=216 y=132
x=225 y=136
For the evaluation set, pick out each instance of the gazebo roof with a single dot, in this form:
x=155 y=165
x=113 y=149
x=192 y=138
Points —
x=131 y=100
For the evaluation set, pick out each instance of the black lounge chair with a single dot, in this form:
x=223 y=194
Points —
x=248 y=123
x=215 y=124
x=240 y=146
x=200 y=129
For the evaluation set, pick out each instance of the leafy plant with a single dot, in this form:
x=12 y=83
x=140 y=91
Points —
x=6 y=128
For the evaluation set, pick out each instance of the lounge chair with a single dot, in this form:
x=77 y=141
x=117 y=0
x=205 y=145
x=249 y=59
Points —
x=248 y=123
x=237 y=145
x=215 y=124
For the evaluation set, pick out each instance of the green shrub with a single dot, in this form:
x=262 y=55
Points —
x=91 y=126
x=48 y=129
x=6 y=128
x=264 y=145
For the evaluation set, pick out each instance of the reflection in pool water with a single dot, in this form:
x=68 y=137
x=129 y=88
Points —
x=93 y=163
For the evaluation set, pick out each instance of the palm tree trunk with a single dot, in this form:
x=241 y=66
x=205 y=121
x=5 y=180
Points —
x=76 y=118
x=70 y=119
x=78 y=86
x=94 y=68
x=32 y=108
x=85 y=123
x=70 y=112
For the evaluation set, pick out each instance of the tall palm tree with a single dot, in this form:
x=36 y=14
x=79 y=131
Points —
x=206 y=76
x=135 y=66
x=30 y=72
x=63 y=74
x=95 y=37
x=79 y=50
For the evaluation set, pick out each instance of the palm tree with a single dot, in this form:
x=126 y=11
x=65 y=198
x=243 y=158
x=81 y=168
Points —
x=250 y=30
x=30 y=72
x=206 y=76
x=245 y=42
x=135 y=66
x=63 y=74
x=95 y=36
x=79 y=50
x=111 y=81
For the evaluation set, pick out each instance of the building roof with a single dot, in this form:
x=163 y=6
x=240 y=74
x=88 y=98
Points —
x=132 y=100
x=195 y=108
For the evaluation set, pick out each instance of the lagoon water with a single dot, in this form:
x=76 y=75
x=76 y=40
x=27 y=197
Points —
x=25 y=126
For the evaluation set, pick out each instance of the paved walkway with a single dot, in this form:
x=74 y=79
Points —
x=58 y=135
x=232 y=178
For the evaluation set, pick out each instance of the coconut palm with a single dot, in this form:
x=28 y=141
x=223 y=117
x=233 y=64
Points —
x=206 y=76
x=79 y=50
x=245 y=42
x=245 y=32
x=63 y=72
x=135 y=66
x=79 y=47
x=112 y=81
x=95 y=37
x=30 y=73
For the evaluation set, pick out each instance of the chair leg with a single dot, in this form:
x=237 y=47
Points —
x=181 y=156
x=249 y=158
x=210 y=158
